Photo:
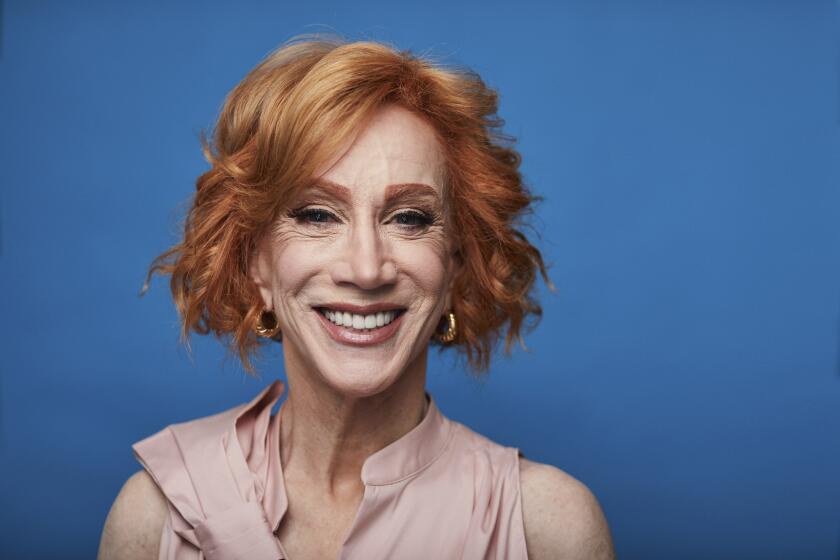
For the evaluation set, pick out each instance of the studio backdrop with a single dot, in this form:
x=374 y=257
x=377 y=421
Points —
x=687 y=367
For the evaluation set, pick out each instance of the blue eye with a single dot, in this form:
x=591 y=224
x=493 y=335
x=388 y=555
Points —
x=409 y=219
x=412 y=219
x=312 y=215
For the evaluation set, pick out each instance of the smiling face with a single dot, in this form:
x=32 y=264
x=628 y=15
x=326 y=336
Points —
x=367 y=244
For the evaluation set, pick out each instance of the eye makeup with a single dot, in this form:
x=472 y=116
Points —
x=414 y=218
x=412 y=207
x=312 y=215
x=409 y=219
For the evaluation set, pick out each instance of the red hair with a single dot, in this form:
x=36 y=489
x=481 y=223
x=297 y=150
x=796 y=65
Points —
x=292 y=113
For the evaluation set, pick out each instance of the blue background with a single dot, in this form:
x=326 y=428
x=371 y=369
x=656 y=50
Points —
x=688 y=367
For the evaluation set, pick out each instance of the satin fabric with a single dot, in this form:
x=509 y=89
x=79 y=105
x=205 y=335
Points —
x=440 y=491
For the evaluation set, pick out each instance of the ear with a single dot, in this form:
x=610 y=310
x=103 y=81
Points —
x=259 y=271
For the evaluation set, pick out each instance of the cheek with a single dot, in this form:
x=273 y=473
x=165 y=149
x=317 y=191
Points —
x=294 y=263
x=426 y=263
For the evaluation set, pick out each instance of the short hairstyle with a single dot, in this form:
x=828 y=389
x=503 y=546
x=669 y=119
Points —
x=291 y=114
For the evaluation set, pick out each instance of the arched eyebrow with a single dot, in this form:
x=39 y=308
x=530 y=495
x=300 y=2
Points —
x=400 y=192
x=331 y=189
x=411 y=193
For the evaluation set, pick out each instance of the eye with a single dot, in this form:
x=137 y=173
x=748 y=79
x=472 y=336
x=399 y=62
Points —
x=412 y=219
x=312 y=215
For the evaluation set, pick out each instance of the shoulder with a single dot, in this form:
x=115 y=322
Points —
x=134 y=525
x=562 y=518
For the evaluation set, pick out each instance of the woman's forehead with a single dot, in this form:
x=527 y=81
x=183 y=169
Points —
x=395 y=147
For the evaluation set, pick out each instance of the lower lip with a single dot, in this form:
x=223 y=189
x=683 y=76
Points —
x=355 y=337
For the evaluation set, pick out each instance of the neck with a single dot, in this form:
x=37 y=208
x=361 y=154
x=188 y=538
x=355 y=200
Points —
x=326 y=436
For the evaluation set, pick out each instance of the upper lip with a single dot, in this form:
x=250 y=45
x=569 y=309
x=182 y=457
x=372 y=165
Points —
x=361 y=309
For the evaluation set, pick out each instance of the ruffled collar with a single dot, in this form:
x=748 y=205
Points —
x=223 y=476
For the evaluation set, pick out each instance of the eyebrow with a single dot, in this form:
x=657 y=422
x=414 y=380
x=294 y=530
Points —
x=331 y=189
x=400 y=191
x=410 y=192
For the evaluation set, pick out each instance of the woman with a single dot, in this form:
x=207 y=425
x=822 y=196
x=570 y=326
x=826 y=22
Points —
x=360 y=207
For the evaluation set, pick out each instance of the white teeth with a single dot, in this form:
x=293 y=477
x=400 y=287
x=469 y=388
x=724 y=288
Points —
x=359 y=322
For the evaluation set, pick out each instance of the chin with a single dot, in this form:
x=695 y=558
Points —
x=359 y=382
x=356 y=371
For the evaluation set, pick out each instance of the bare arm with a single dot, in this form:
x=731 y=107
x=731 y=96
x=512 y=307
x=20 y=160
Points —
x=135 y=522
x=563 y=520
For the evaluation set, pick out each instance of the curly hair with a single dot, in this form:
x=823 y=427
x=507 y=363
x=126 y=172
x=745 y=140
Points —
x=292 y=113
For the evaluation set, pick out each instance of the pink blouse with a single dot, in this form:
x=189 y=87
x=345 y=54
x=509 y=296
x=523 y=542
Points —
x=440 y=491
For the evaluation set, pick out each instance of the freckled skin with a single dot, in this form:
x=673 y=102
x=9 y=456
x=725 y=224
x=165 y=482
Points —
x=360 y=252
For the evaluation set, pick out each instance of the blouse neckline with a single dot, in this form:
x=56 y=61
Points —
x=398 y=461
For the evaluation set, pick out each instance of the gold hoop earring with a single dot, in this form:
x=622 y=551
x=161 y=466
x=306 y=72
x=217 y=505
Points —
x=451 y=331
x=267 y=324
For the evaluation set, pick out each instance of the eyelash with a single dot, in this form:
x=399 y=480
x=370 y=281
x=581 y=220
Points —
x=304 y=215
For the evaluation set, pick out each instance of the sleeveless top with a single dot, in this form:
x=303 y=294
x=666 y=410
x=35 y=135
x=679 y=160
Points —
x=440 y=491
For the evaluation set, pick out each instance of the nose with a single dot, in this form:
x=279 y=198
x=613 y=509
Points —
x=366 y=260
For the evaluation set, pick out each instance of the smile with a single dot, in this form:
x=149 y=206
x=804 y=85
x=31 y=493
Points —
x=357 y=321
x=360 y=329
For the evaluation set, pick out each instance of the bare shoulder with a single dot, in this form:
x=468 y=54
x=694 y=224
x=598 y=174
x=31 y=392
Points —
x=562 y=518
x=135 y=522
